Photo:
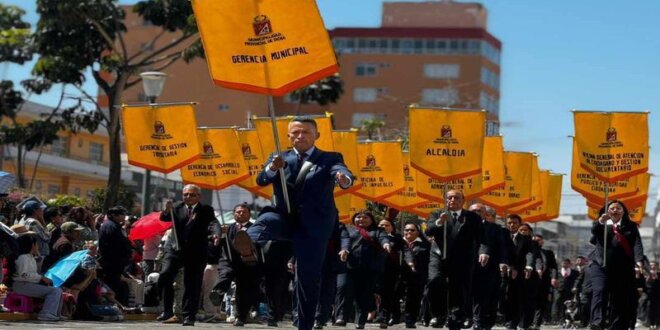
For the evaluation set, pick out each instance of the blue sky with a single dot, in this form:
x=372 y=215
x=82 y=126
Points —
x=557 y=56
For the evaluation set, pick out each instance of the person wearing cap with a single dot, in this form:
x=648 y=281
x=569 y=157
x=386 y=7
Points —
x=34 y=220
x=29 y=282
x=65 y=245
x=115 y=250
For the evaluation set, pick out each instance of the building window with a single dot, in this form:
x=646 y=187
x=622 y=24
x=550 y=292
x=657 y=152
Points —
x=442 y=71
x=366 y=69
x=223 y=107
x=358 y=117
x=490 y=78
x=95 y=152
x=490 y=103
x=440 y=96
x=60 y=147
x=364 y=95
x=492 y=128
x=53 y=189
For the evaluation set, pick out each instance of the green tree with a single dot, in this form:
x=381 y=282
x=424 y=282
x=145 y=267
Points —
x=323 y=92
x=125 y=198
x=78 y=36
x=371 y=127
x=16 y=46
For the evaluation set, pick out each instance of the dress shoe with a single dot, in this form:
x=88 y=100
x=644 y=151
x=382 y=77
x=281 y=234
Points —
x=391 y=322
x=172 y=320
x=467 y=324
x=435 y=323
x=245 y=247
x=318 y=326
x=382 y=325
x=189 y=322
x=239 y=323
x=411 y=326
x=340 y=323
x=359 y=326
x=272 y=323
x=164 y=316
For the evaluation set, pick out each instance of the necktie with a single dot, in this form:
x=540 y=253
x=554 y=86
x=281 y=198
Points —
x=189 y=213
x=301 y=160
x=238 y=226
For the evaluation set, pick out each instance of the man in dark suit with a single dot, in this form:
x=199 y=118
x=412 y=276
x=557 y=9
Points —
x=115 y=251
x=524 y=260
x=487 y=279
x=310 y=176
x=547 y=275
x=233 y=268
x=191 y=223
x=467 y=246
x=563 y=285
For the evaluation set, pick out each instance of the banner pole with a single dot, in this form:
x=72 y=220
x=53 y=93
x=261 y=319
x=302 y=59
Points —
x=444 y=241
x=276 y=137
x=222 y=221
x=607 y=188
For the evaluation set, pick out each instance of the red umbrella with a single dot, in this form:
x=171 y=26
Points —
x=148 y=226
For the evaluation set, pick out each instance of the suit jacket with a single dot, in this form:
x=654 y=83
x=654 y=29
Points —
x=114 y=247
x=565 y=284
x=366 y=254
x=228 y=249
x=312 y=201
x=499 y=253
x=419 y=254
x=616 y=255
x=525 y=253
x=549 y=265
x=191 y=233
x=466 y=240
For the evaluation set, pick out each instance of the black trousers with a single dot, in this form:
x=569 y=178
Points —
x=486 y=297
x=459 y=301
x=542 y=300
x=120 y=288
x=436 y=288
x=275 y=278
x=619 y=284
x=193 y=272
x=247 y=285
x=327 y=297
x=390 y=294
x=414 y=284
x=361 y=286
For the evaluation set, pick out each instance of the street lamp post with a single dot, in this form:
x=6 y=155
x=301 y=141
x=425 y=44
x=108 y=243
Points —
x=152 y=83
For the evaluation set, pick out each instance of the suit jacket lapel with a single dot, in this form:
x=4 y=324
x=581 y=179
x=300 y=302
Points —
x=459 y=223
x=305 y=167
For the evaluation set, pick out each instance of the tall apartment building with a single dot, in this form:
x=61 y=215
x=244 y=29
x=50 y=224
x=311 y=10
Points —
x=431 y=53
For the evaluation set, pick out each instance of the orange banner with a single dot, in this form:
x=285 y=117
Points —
x=264 y=46
x=593 y=189
x=537 y=192
x=221 y=163
x=253 y=156
x=554 y=196
x=426 y=209
x=345 y=143
x=406 y=198
x=537 y=209
x=612 y=146
x=380 y=169
x=447 y=144
x=160 y=137
x=518 y=186
x=348 y=205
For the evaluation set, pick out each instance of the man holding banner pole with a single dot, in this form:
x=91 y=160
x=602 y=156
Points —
x=311 y=175
x=466 y=245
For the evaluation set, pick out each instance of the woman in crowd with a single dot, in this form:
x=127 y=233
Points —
x=365 y=264
x=84 y=217
x=415 y=271
x=28 y=281
x=389 y=312
x=614 y=275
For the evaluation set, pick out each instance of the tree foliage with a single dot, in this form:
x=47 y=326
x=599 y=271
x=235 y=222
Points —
x=77 y=36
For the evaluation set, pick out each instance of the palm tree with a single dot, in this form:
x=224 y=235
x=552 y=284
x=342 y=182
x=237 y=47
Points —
x=371 y=126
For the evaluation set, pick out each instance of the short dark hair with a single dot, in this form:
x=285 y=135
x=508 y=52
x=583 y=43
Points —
x=242 y=205
x=50 y=213
x=515 y=216
x=304 y=119
x=528 y=226
x=117 y=210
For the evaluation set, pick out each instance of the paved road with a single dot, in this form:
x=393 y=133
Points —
x=154 y=325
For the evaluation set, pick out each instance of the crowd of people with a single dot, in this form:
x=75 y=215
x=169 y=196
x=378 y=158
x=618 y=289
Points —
x=461 y=268
x=376 y=270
